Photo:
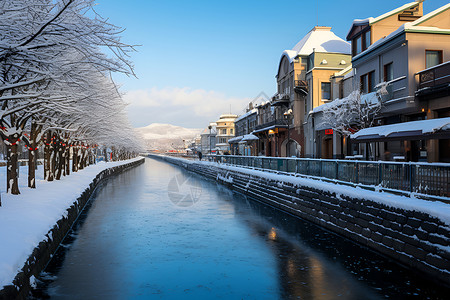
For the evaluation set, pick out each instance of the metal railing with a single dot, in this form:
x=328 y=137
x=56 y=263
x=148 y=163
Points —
x=434 y=76
x=428 y=179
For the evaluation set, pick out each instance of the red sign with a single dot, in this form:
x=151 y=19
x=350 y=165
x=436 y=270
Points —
x=328 y=131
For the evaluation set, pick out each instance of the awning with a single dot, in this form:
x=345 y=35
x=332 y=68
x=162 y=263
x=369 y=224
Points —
x=248 y=138
x=269 y=128
x=415 y=130
x=235 y=140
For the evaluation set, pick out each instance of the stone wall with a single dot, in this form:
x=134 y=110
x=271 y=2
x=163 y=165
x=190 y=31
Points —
x=414 y=239
x=44 y=251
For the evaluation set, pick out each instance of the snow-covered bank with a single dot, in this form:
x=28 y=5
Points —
x=414 y=232
x=25 y=219
x=434 y=208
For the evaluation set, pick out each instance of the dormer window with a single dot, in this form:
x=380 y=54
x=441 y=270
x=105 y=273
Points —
x=361 y=42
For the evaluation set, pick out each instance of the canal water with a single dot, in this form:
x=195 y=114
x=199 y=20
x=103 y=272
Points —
x=160 y=232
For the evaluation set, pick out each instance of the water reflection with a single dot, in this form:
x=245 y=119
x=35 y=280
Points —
x=137 y=243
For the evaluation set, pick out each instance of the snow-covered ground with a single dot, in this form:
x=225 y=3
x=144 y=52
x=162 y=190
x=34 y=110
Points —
x=25 y=219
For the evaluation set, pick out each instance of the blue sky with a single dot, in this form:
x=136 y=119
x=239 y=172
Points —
x=199 y=57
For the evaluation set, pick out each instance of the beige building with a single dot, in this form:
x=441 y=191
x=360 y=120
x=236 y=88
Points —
x=303 y=82
x=403 y=48
x=224 y=131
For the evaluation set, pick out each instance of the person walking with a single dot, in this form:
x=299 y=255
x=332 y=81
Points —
x=200 y=155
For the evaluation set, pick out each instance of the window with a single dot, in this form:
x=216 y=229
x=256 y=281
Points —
x=363 y=84
x=223 y=131
x=367 y=82
x=366 y=40
x=231 y=131
x=326 y=90
x=357 y=45
x=433 y=58
x=388 y=72
x=371 y=79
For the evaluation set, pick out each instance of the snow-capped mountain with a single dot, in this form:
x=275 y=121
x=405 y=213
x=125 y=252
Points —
x=166 y=136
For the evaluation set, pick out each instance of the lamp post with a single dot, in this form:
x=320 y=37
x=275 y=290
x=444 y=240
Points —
x=287 y=117
x=209 y=127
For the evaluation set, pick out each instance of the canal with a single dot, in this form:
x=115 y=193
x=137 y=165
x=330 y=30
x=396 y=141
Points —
x=160 y=232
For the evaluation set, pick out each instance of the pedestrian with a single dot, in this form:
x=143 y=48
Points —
x=200 y=155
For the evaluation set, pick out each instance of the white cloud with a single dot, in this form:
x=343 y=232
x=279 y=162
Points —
x=180 y=106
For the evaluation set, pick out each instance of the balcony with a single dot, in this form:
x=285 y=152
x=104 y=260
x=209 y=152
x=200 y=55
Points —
x=280 y=99
x=301 y=87
x=277 y=123
x=434 y=82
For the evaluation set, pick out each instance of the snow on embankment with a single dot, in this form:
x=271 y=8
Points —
x=434 y=208
x=25 y=219
x=414 y=232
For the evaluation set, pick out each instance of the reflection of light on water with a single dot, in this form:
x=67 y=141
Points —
x=318 y=283
x=272 y=234
x=292 y=268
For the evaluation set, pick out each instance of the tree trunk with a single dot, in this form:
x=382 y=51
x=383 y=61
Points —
x=32 y=156
x=67 y=160
x=31 y=168
x=12 y=184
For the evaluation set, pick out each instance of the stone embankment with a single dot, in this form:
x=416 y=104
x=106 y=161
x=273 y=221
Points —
x=414 y=238
x=46 y=248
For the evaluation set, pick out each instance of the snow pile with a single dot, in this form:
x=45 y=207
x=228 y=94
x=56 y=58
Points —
x=25 y=219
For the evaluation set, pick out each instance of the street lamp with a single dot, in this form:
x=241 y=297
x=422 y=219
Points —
x=209 y=127
x=287 y=117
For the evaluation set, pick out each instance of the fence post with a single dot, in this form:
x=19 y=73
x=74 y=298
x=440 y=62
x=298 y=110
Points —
x=411 y=184
x=337 y=170
x=380 y=173
x=357 y=172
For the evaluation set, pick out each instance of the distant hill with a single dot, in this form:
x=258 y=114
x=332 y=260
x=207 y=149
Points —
x=166 y=136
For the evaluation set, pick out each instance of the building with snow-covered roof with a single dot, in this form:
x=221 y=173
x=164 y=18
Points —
x=224 y=132
x=303 y=82
x=410 y=54
x=245 y=143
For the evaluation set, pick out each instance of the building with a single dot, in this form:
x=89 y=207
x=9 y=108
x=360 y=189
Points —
x=408 y=52
x=245 y=143
x=303 y=82
x=208 y=139
x=224 y=131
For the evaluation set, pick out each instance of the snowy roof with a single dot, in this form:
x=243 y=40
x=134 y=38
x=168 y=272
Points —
x=430 y=15
x=344 y=71
x=410 y=27
x=321 y=39
x=250 y=112
x=371 y=20
x=290 y=54
x=250 y=137
x=349 y=74
x=424 y=126
x=235 y=140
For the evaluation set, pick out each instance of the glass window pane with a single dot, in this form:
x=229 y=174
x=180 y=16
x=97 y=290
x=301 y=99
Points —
x=367 y=39
x=388 y=72
x=358 y=45
x=326 y=90
x=433 y=58
x=371 y=81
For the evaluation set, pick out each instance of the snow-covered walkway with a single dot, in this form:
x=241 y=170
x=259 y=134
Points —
x=25 y=219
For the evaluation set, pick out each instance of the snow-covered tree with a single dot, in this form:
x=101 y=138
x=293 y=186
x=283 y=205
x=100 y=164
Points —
x=49 y=53
x=351 y=113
